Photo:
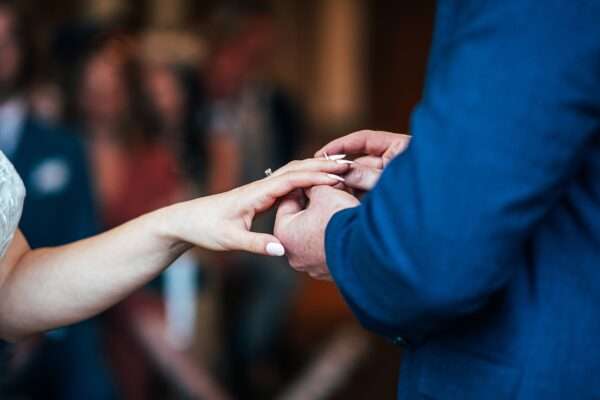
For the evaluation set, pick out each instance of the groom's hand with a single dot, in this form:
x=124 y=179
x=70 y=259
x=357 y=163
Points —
x=302 y=230
x=374 y=150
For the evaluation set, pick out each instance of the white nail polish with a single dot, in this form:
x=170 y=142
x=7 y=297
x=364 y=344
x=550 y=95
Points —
x=337 y=157
x=275 y=250
x=337 y=178
x=344 y=162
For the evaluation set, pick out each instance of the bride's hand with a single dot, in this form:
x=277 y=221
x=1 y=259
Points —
x=223 y=222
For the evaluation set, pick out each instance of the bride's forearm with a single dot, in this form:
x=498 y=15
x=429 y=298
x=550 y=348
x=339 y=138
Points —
x=48 y=288
x=53 y=287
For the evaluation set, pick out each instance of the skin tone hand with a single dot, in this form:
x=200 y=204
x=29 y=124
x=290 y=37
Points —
x=374 y=149
x=302 y=230
x=227 y=218
x=47 y=288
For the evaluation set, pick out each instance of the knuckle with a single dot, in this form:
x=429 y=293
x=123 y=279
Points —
x=288 y=176
x=296 y=265
x=257 y=243
x=317 y=275
x=363 y=132
x=358 y=174
x=293 y=177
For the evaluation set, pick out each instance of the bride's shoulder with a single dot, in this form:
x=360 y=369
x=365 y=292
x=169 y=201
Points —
x=12 y=196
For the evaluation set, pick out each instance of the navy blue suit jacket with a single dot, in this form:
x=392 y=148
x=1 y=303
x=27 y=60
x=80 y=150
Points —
x=480 y=246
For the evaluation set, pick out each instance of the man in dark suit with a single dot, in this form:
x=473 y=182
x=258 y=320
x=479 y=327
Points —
x=479 y=248
x=58 y=209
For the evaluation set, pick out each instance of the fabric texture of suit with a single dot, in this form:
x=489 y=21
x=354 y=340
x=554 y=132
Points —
x=480 y=246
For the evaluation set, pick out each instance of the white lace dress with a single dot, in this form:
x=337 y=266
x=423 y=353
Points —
x=12 y=195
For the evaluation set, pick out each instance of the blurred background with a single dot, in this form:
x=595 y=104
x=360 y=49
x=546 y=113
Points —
x=112 y=108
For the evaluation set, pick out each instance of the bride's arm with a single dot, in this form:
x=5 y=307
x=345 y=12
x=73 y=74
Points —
x=47 y=288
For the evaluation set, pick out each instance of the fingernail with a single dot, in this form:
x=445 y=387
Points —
x=337 y=157
x=337 y=178
x=344 y=162
x=275 y=250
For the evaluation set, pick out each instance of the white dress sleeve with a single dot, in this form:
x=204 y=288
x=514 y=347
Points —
x=12 y=196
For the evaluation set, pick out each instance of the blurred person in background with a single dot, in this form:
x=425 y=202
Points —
x=251 y=122
x=134 y=171
x=59 y=208
x=47 y=102
x=134 y=119
x=172 y=93
x=169 y=90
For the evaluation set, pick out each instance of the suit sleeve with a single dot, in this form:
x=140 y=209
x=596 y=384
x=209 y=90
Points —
x=507 y=113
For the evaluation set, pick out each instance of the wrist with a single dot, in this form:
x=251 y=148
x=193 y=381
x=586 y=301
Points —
x=169 y=225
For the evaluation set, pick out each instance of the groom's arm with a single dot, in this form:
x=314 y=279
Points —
x=509 y=107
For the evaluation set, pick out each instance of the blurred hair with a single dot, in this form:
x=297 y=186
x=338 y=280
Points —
x=228 y=19
x=194 y=154
x=24 y=42
x=141 y=124
x=252 y=8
